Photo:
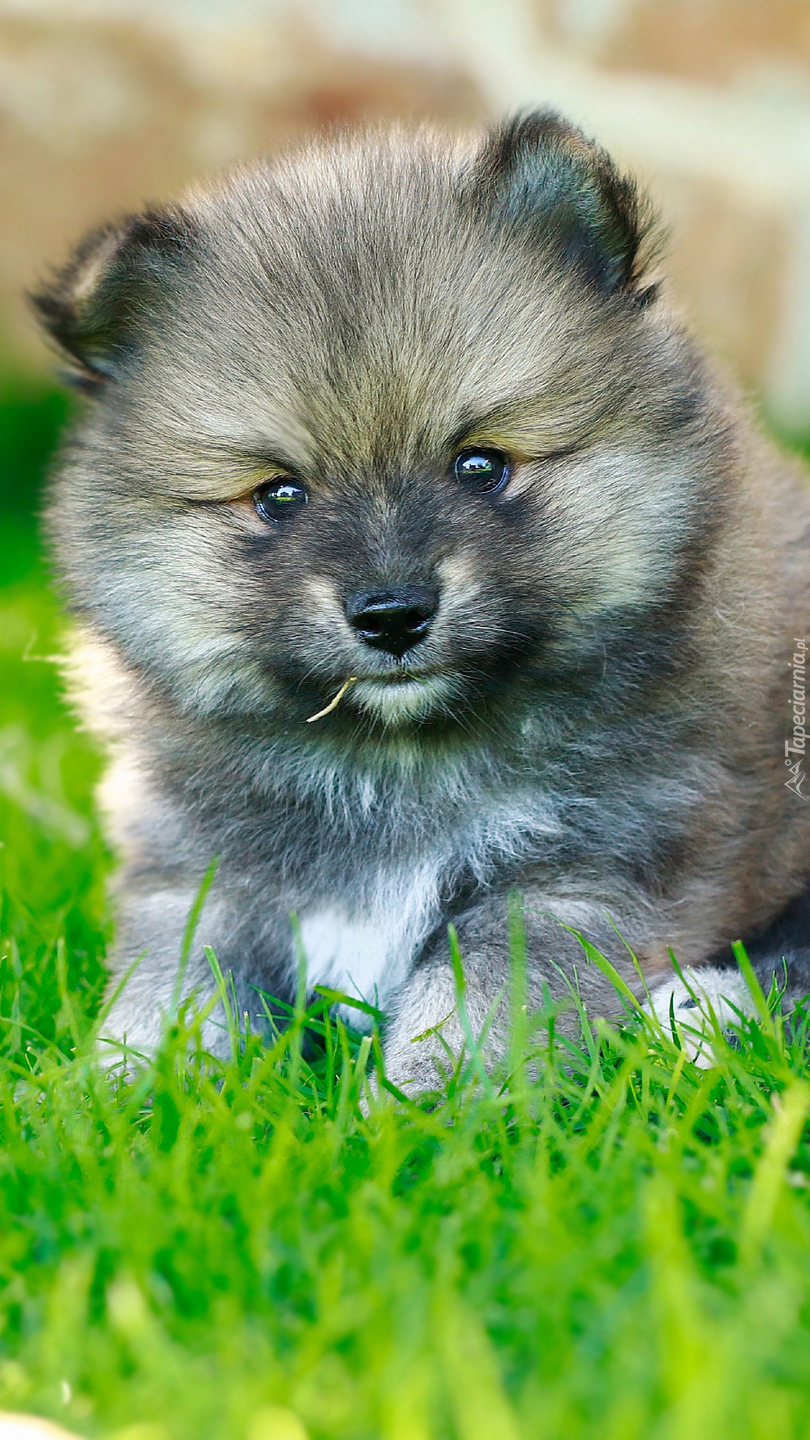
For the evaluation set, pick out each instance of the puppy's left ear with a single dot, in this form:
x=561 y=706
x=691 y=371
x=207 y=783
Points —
x=540 y=175
x=118 y=279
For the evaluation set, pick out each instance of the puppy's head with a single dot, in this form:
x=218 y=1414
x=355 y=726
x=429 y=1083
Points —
x=401 y=410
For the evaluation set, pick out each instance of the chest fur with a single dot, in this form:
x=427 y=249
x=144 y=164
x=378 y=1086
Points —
x=365 y=944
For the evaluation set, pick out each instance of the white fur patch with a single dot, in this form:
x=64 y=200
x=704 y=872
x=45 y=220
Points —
x=368 y=952
x=725 y=991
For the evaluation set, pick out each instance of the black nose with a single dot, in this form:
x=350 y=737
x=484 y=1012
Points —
x=392 y=620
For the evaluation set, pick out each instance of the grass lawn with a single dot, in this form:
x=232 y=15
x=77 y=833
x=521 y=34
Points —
x=618 y=1248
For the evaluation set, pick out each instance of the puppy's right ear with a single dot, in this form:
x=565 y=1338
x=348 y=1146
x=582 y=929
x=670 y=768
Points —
x=95 y=305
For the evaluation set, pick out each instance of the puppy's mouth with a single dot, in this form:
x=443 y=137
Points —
x=391 y=697
x=399 y=677
x=401 y=696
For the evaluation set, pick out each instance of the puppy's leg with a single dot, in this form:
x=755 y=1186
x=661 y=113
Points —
x=427 y=1000
x=255 y=947
x=149 y=942
x=780 y=952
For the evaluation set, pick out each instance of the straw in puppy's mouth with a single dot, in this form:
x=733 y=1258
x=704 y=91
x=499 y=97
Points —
x=333 y=704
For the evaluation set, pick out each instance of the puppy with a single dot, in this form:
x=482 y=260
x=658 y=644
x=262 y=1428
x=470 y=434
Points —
x=417 y=554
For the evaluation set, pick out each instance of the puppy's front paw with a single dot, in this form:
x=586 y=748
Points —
x=722 y=991
x=416 y=1073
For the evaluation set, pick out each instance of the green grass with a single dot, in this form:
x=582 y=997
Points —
x=617 y=1247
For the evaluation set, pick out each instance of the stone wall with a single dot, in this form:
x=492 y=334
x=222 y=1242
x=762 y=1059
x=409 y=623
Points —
x=106 y=103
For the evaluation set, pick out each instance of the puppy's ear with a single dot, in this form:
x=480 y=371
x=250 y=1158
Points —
x=541 y=175
x=94 y=305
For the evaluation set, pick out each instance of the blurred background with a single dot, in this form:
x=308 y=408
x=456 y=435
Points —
x=107 y=103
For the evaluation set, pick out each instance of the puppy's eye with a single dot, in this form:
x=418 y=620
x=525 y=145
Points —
x=278 y=499
x=484 y=470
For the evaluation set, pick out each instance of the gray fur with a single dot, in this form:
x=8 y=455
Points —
x=601 y=703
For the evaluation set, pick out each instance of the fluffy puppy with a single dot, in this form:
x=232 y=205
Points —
x=409 y=413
